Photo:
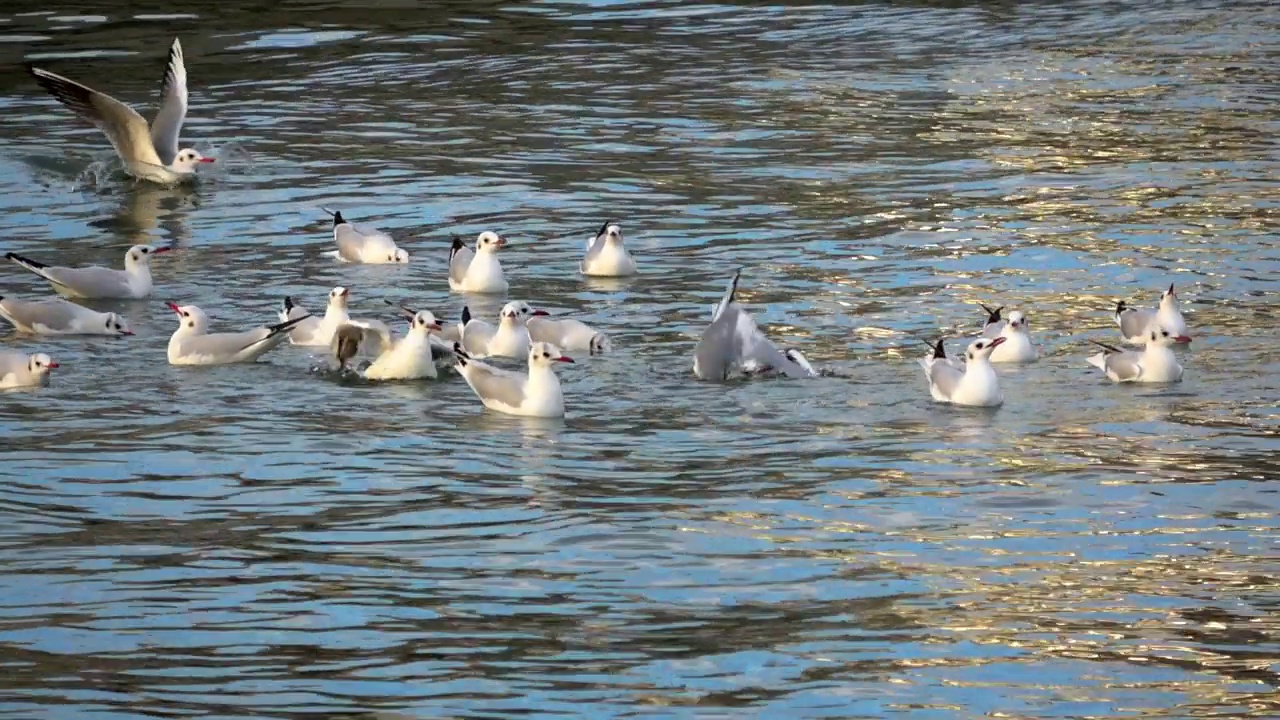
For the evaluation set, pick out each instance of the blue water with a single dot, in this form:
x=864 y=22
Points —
x=262 y=542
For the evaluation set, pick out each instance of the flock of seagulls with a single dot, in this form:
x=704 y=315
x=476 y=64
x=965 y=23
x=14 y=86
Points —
x=732 y=345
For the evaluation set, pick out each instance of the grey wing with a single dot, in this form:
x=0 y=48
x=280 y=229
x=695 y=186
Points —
x=594 y=246
x=91 y=281
x=125 y=128
x=993 y=330
x=459 y=262
x=492 y=384
x=11 y=362
x=51 y=314
x=350 y=242
x=441 y=350
x=450 y=334
x=758 y=352
x=719 y=350
x=945 y=377
x=1123 y=366
x=476 y=336
x=224 y=346
x=1133 y=323
x=542 y=329
x=167 y=125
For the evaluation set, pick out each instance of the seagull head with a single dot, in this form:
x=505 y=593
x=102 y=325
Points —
x=1161 y=336
x=190 y=317
x=424 y=321
x=141 y=255
x=116 y=325
x=1018 y=321
x=489 y=241
x=981 y=349
x=187 y=160
x=513 y=313
x=526 y=312
x=610 y=232
x=40 y=364
x=542 y=354
x=1168 y=298
x=400 y=257
x=338 y=297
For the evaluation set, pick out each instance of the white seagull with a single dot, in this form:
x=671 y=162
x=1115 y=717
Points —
x=132 y=283
x=442 y=337
x=358 y=244
x=732 y=343
x=1017 y=347
x=478 y=271
x=1155 y=364
x=312 y=330
x=606 y=255
x=565 y=333
x=149 y=152
x=55 y=316
x=975 y=383
x=535 y=394
x=193 y=344
x=509 y=339
x=1136 y=323
x=18 y=370
x=406 y=358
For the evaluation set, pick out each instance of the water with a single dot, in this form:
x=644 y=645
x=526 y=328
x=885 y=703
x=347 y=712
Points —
x=259 y=542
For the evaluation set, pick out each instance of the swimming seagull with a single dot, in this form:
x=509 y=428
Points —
x=565 y=333
x=1017 y=347
x=149 y=153
x=132 y=283
x=314 y=330
x=535 y=394
x=193 y=344
x=55 y=316
x=1135 y=323
x=1155 y=364
x=18 y=370
x=733 y=343
x=441 y=338
x=478 y=271
x=406 y=358
x=509 y=339
x=358 y=244
x=974 y=384
x=606 y=255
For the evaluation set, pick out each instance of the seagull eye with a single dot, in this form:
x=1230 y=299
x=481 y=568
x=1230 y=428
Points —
x=1164 y=333
x=186 y=314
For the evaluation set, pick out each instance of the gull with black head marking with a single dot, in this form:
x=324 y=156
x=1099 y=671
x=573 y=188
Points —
x=312 y=330
x=606 y=254
x=406 y=358
x=18 y=370
x=734 y=344
x=533 y=394
x=193 y=344
x=357 y=244
x=565 y=333
x=974 y=384
x=1017 y=347
x=1135 y=323
x=94 y=282
x=477 y=271
x=55 y=316
x=510 y=338
x=149 y=152
x=1155 y=364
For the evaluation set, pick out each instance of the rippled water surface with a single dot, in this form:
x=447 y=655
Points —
x=260 y=542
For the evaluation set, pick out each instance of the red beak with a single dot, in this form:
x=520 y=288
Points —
x=174 y=307
x=159 y=250
x=1183 y=338
x=540 y=312
x=127 y=332
x=206 y=160
x=53 y=365
x=434 y=326
x=563 y=358
x=997 y=341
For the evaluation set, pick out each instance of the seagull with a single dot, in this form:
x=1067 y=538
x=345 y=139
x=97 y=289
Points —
x=479 y=271
x=565 y=333
x=974 y=383
x=734 y=343
x=313 y=330
x=192 y=344
x=1135 y=322
x=149 y=153
x=1017 y=347
x=606 y=255
x=363 y=245
x=55 y=316
x=536 y=394
x=406 y=358
x=509 y=339
x=132 y=283
x=18 y=370
x=1155 y=364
